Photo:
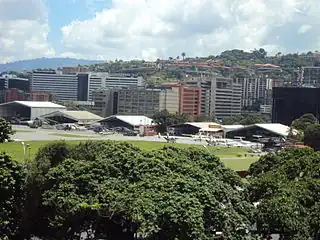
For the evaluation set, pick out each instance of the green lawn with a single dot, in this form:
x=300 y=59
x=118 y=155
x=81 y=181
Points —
x=23 y=130
x=236 y=163
x=73 y=135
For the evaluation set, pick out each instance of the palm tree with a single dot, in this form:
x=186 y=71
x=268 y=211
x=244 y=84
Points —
x=183 y=55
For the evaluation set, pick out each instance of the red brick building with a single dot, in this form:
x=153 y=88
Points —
x=189 y=99
x=14 y=94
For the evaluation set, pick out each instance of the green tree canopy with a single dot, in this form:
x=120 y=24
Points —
x=285 y=187
x=312 y=136
x=165 y=119
x=117 y=191
x=5 y=130
x=304 y=121
x=11 y=196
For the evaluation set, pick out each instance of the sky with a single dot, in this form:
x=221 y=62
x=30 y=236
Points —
x=151 y=29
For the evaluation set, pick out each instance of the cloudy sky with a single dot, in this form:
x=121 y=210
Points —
x=127 y=29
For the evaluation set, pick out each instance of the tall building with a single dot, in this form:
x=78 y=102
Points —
x=83 y=87
x=290 y=103
x=204 y=83
x=225 y=97
x=123 y=81
x=14 y=94
x=144 y=101
x=189 y=98
x=220 y=97
x=12 y=81
x=90 y=82
x=105 y=102
x=63 y=86
x=256 y=89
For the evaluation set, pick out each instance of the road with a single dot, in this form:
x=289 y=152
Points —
x=48 y=135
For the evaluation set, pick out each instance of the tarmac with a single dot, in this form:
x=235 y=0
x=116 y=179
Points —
x=48 y=135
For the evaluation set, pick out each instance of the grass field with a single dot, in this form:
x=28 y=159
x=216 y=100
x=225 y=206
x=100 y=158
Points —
x=230 y=156
x=72 y=135
x=23 y=130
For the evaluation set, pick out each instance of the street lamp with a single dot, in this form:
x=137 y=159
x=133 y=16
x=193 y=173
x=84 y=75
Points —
x=24 y=150
x=25 y=147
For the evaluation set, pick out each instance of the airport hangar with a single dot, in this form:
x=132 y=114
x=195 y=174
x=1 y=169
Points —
x=28 y=110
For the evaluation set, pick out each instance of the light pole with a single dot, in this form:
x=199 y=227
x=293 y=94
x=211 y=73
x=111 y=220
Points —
x=24 y=150
x=25 y=147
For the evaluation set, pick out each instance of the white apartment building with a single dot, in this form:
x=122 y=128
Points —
x=225 y=97
x=63 y=86
x=104 y=80
x=256 y=89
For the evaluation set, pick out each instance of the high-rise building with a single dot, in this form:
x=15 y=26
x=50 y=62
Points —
x=105 y=101
x=63 y=86
x=257 y=89
x=290 y=103
x=135 y=101
x=144 y=101
x=90 y=82
x=225 y=97
x=14 y=94
x=122 y=81
x=220 y=97
x=189 y=98
x=12 y=81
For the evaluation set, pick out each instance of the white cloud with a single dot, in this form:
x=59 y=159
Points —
x=304 y=28
x=152 y=28
x=23 y=30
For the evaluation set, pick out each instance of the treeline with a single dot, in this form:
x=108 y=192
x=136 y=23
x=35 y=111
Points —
x=114 y=190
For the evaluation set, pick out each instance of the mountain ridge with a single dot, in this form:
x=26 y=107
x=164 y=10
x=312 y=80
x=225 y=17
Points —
x=53 y=63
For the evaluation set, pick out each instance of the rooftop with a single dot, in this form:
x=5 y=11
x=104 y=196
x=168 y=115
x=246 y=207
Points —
x=33 y=104
x=277 y=128
x=203 y=124
x=81 y=115
x=133 y=120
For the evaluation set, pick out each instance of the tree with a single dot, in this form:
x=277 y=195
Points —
x=113 y=190
x=252 y=119
x=245 y=119
x=285 y=187
x=5 y=130
x=12 y=179
x=165 y=119
x=183 y=54
x=312 y=136
x=304 y=121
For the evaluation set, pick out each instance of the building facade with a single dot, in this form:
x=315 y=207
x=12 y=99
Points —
x=63 y=86
x=91 y=82
x=189 y=98
x=146 y=102
x=220 y=97
x=12 y=81
x=105 y=102
x=290 y=103
x=14 y=94
x=225 y=97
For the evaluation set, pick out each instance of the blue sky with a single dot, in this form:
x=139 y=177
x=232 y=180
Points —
x=150 y=29
x=62 y=12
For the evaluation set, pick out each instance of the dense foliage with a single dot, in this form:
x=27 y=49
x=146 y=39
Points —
x=312 y=136
x=286 y=188
x=164 y=119
x=11 y=196
x=246 y=119
x=5 y=130
x=114 y=190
